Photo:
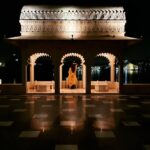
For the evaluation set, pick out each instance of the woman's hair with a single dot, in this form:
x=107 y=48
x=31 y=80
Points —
x=73 y=67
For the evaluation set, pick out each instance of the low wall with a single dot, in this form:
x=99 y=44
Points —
x=65 y=84
x=135 y=89
x=12 y=89
x=124 y=89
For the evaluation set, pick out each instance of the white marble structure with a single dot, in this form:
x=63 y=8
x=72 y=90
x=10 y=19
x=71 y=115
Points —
x=75 y=22
x=60 y=32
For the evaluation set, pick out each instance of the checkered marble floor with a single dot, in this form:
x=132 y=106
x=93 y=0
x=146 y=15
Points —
x=29 y=134
x=66 y=147
x=75 y=122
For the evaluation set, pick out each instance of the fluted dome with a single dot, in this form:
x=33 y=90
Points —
x=78 y=21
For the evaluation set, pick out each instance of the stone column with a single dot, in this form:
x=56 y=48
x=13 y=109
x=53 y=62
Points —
x=56 y=77
x=84 y=76
x=31 y=72
x=23 y=70
x=120 y=75
x=88 y=78
x=60 y=68
x=24 y=76
x=112 y=71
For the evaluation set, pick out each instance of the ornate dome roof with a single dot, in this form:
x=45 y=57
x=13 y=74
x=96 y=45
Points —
x=72 y=21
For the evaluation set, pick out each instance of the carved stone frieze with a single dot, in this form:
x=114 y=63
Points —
x=50 y=21
x=46 y=27
x=76 y=13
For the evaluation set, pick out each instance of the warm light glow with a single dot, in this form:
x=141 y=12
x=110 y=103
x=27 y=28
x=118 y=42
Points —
x=71 y=27
x=41 y=124
x=72 y=127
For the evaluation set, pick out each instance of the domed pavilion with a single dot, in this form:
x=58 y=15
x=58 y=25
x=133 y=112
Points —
x=54 y=37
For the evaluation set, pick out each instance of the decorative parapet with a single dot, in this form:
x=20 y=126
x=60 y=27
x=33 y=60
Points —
x=71 y=13
x=72 y=21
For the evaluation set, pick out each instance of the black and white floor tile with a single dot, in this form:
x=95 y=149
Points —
x=75 y=122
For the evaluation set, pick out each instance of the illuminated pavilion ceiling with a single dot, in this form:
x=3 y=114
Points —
x=72 y=22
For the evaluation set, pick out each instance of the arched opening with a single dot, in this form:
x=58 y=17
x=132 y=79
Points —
x=44 y=64
x=72 y=74
x=101 y=69
x=104 y=74
x=40 y=74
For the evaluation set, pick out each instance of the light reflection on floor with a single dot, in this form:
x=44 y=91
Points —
x=116 y=122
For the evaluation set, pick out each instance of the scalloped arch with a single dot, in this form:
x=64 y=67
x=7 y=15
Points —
x=109 y=56
x=35 y=56
x=75 y=55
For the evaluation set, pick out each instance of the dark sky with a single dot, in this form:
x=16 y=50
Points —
x=137 y=14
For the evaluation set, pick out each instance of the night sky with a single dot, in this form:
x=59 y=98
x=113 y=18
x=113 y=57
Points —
x=136 y=12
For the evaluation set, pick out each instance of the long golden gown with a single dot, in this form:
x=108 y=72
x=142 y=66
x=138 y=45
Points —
x=72 y=79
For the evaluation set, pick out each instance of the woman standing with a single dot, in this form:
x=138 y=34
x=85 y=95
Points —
x=72 y=79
